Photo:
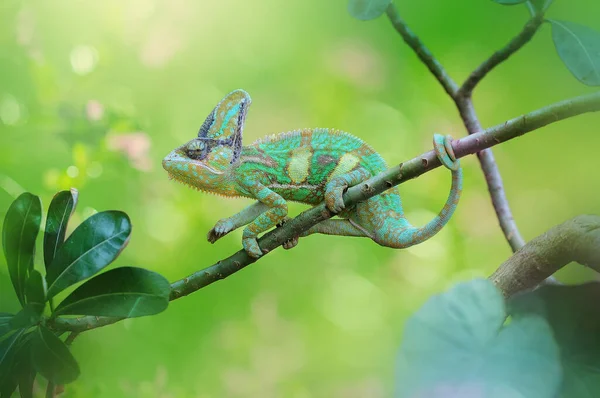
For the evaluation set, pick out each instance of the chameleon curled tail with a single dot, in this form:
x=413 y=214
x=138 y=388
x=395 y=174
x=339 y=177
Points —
x=402 y=234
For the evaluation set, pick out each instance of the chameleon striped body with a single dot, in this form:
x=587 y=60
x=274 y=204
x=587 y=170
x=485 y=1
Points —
x=308 y=166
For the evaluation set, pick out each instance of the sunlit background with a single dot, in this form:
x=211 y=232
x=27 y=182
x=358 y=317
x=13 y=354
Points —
x=94 y=93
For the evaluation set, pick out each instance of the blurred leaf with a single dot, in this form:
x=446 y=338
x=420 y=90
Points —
x=579 y=48
x=124 y=292
x=575 y=320
x=61 y=208
x=8 y=348
x=34 y=288
x=21 y=226
x=367 y=9
x=28 y=316
x=52 y=358
x=509 y=2
x=92 y=246
x=456 y=345
x=4 y=323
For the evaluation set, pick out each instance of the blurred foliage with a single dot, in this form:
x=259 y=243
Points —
x=94 y=94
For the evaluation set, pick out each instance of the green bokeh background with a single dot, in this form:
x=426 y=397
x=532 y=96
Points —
x=94 y=94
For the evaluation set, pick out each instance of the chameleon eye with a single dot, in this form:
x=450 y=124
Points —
x=196 y=150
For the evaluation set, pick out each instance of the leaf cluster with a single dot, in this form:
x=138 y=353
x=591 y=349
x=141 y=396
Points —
x=27 y=345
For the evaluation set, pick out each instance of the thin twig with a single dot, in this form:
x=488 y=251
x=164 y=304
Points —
x=422 y=52
x=529 y=30
x=492 y=178
x=396 y=175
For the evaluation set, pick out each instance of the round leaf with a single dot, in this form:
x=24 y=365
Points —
x=60 y=211
x=367 y=9
x=576 y=324
x=52 y=358
x=456 y=345
x=91 y=247
x=21 y=226
x=122 y=292
x=509 y=2
x=579 y=48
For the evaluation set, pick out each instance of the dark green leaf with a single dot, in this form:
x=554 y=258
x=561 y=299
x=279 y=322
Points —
x=574 y=318
x=34 y=288
x=60 y=211
x=91 y=247
x=457 y=345
x=28 y=316
x=21 y=226
x=26 y=379
x=367 y=9
x=8 y=350
x=5 y=324
x=52 y=358
x=124 y=292
x=579 y=48
x=509 y=2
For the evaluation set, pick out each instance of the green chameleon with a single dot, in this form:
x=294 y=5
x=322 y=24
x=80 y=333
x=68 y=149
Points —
x=306 y=166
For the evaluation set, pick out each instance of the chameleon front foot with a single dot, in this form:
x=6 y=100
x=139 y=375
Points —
x=221 y=228
x=251 y=247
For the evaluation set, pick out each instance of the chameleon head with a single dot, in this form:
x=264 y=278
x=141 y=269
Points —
x=205 y=161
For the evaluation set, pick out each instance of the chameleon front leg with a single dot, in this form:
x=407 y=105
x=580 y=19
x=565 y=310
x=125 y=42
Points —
x=226 y=225
x=277 y=211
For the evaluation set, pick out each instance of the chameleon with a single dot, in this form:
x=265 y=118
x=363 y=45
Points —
x=308 y=166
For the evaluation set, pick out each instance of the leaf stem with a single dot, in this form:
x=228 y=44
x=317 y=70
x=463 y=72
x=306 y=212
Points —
x=422 y=52
x=396 y=175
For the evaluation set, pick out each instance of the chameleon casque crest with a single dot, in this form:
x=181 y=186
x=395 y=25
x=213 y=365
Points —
x=307 y=166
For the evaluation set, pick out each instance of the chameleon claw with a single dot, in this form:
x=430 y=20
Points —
x=221 y=228
x=334 y=199
x=288 y=244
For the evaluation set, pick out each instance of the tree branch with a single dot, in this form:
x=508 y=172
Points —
x=422 y=52
x=575 y=240
x=373 y=186
x=529 y=30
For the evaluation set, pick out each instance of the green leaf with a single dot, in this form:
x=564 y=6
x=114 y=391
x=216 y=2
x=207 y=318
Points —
x=28 y=316
x=579 y=48
x=5 y=324
x=575 y=321
x=457 y=345
x=91 y=247
x=367 y=9
x=34 y=288
x=26 y=378
x=21 y=226
x=509 y=2
x=60 y=211
x=8 y=350
x=52 y=358
x=124 y=292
